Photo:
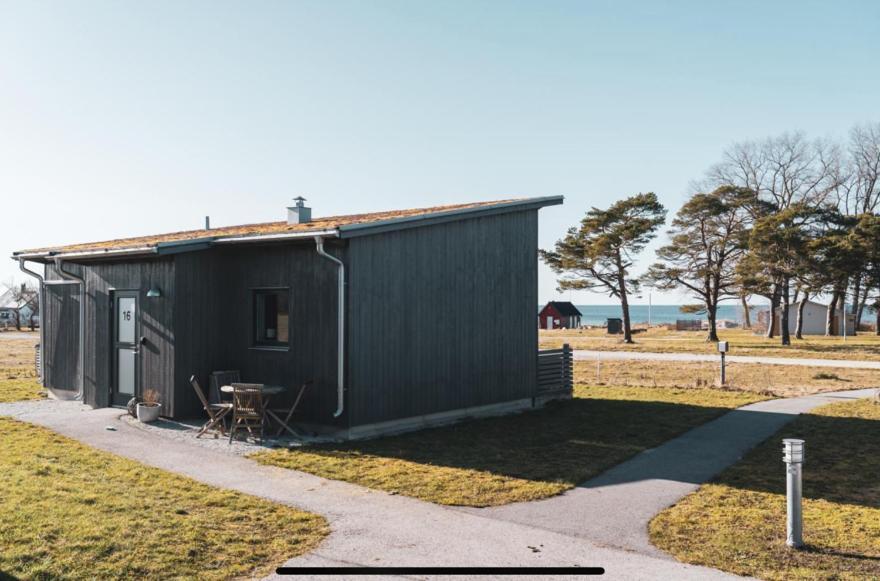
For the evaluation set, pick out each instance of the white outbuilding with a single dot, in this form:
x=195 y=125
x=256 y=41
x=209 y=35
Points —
x=815 y=316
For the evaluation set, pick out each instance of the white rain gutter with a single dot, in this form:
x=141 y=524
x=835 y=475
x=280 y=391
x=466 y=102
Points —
x=141 y=250
x=39 y=278
x=59 y=264
x=87 y=253
x=340 y=330
x=271 y=237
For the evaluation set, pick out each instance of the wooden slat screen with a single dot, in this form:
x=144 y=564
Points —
x=555 y=370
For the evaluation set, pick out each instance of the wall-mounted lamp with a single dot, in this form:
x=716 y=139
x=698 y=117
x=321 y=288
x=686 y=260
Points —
x=154 y=292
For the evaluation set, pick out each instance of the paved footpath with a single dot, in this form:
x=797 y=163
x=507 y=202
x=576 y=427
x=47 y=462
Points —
x=614 y=508
x=602 y=523
x=587 y=355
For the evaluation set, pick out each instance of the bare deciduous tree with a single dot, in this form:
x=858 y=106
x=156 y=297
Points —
x=24 y=296
x=859 y=194
x=783 y=171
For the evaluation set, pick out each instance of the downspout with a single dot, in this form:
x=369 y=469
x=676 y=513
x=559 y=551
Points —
x=59 y=264
x=340 y=322
x=39 y=278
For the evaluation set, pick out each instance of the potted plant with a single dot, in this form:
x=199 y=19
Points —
x=148 y=410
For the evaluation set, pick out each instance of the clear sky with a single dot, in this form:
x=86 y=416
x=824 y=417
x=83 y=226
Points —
x=125 y=118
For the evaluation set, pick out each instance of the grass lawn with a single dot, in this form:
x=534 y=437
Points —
x=737 y=522
x=18 y=380
x=73 y=512
x=521 y=457
x=770 y=380
x=865 y=346
x=18 y=389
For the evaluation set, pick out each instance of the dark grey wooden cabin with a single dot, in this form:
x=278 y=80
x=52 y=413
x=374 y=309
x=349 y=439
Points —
x=438 y=313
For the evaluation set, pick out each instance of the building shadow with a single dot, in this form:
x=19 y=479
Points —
x=575 y=441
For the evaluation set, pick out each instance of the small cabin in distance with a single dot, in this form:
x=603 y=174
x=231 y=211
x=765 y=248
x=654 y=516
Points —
x=815 y=319
x=559 y=315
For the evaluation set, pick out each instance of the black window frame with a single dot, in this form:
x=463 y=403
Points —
x=256 y=341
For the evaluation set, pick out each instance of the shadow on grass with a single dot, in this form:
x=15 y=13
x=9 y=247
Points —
x=844 y=554
x=739 y=524
x=571 y=442
x=842 y=461
x=567 y=442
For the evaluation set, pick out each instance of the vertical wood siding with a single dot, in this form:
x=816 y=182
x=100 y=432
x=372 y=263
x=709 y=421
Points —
x=214 y=321
x=202 y=323
x=156 y=362
x=200 y=345
x=439 y=317
x=61 y=322
x=442 y=317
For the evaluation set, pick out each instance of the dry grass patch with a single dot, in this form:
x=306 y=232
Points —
x=769 y=380
x=18 y=379
x=865 y=346
x=17 y=349
x=15 y=389
x=516 y=458
x=737 y=523
x=70 y=511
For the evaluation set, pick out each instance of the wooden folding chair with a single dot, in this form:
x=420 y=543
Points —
x=247 y=409
x=288 y=413
x=218 y=380
x=216 y=411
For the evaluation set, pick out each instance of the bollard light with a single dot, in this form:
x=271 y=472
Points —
x=722 y=349
x=793 y=453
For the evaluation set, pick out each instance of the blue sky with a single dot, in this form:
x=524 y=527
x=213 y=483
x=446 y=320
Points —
x=123 y=118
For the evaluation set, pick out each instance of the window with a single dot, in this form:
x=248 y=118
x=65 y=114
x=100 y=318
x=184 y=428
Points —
x=271 y=318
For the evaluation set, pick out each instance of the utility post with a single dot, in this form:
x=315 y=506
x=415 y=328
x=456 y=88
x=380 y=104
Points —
x=793 y=453
x=722 y=349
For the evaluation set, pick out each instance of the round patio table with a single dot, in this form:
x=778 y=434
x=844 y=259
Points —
x=268 y=391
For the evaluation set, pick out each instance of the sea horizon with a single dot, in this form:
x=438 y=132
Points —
x=657 y=314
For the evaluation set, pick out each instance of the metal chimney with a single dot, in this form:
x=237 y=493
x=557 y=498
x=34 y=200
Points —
x=299 y=214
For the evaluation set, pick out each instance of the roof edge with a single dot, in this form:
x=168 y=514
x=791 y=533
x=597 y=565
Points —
x=341 y=231
x=49 y=255
x=368 y=228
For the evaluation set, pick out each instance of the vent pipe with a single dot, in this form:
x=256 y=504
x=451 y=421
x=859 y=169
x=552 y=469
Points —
x=207 y=222
x=299 y=213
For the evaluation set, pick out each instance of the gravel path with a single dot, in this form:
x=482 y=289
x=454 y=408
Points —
x=586 y=355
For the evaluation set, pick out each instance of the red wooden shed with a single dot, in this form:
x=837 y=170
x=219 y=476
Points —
x=559 y=315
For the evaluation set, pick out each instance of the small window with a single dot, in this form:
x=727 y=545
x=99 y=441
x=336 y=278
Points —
x=271 y=318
